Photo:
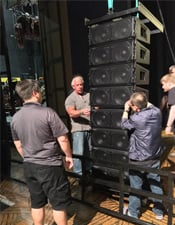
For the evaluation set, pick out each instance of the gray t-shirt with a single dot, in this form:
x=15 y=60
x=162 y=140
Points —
x=38 y=127
x=79 y=102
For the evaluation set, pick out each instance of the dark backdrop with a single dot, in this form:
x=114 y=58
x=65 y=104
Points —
x=161 y=57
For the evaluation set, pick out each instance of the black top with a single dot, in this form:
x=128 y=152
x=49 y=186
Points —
x=38 y=127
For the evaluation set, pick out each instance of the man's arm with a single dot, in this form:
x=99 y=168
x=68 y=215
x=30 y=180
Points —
x=65 y=146
x=19 y=148
x=74 y=113
x=171 y=119
x=163 y=102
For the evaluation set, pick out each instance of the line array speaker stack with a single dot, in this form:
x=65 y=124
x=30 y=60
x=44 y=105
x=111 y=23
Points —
x=119 y=60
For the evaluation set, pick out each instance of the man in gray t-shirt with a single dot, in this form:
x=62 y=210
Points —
x=77 y=105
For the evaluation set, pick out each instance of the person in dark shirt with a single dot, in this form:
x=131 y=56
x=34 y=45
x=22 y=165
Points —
x=168 y=85
x=164 y=100
x=41 y=138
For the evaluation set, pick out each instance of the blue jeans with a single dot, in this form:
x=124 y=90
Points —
x=82 y=147
x=136 y=181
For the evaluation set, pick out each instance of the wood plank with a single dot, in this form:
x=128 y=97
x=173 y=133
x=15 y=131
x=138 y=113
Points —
x=78 y=214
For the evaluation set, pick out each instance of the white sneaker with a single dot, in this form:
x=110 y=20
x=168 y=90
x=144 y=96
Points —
x=126 y=212
x=159 y=217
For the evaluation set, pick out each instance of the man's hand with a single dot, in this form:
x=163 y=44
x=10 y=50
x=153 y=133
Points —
x=85 y=112
x=65 y=146
x=127 y=105
x=168 y=130
x=68 y=162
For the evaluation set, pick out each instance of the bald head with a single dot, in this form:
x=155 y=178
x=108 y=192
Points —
x=139 y=99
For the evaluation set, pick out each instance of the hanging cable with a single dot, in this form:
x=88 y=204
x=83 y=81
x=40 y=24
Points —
x=166 y=34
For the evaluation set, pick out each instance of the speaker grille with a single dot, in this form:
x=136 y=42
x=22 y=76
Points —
x=107 y=138
x=119 y=29
x=106 y=118
x=122 y=74
x=109 y=156
x=112 y=53
x=106 y=173
x=120 y=51
x=110 y=97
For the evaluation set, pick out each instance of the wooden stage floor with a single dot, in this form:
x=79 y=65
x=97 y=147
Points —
x=16 y=196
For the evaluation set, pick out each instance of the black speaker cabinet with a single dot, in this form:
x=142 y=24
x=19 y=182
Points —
x=108 y=138
x=106 y=174
x=124 y=50
x=119 y=28
x=113 y=97
x=106 y=118
x=110 y=97
x=109 y=157
x=121 y=74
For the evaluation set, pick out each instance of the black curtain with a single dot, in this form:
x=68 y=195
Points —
x=162 y=45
